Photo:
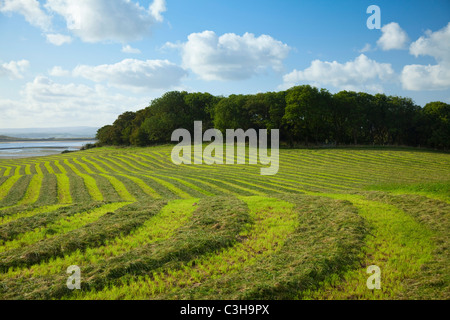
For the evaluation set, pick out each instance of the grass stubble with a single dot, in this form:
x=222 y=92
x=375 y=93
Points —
x=141 y=228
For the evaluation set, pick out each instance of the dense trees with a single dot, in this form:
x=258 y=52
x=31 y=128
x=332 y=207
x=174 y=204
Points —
x=307 y=114
x=437 y=121
x=304 y=115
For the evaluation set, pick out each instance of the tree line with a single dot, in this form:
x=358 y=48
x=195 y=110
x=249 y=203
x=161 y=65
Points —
x=304 y=115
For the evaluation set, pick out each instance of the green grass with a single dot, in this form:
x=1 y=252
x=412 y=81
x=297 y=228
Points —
x=141 y=227
x=7 y=185
x=61 y=226
x=158 y=227
x=270 y=220
x=33 y=191
x=397 y=244
x=284 y=255
x=436 y=190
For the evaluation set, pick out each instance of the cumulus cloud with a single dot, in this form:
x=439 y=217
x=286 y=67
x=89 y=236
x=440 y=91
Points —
x=156 y=8
x=230 y=56
x=429 y=77
x=58 y=71
x=129 y=49
x=107 y=20
x=30 y=9
x=134 y=74
x=394 y=37
x=58 y=39
x=14 y=69
x=435 y=44
x=55 y=104
x=44 y=90
x=359 y=74
x=425 y=77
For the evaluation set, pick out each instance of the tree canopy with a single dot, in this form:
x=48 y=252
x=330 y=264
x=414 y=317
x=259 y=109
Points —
x=304 y=114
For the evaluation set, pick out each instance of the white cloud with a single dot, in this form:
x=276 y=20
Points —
x=359 y=74
x=134 y=74
x=230 y=56
x=425 y=77
x=14 y=69
x=156 y=8
x=366 y=48
x=435 y=44
x=429 y=77
x=58 y=71
x=46 y=103
x=394 y=37
x=129 y=49
x=44 y=90
x=30 y=9
x=107 y=20
x=58 y=39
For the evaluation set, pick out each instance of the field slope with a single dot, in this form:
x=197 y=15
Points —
x=140 y=227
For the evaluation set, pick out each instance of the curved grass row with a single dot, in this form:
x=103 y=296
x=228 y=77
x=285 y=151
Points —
x=108 y=225
x=158 y=227
x=64 y=224
x=397 y=244
x=207 y=230
x=33 y=191
x=272 y=221
x=141 y=227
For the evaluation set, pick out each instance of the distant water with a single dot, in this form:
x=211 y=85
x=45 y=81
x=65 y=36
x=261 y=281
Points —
x=11 y=150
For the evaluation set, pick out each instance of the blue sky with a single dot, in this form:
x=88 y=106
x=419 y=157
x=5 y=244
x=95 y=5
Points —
x=83 y=62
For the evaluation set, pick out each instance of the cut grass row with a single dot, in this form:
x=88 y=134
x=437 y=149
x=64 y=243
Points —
x=7 y=185
x=433 y=279
x=397 y=244
x=108 y=225
x=327 y=238
x=63 y=224
x=12 y=214
x=271 y=240
x=158 y=227
x=215 y=224
x=144 y=260
x=231 y=180
x=135 y=164
x=271 y=221
x=125 y=165
x=17 y=188
x=33 y=190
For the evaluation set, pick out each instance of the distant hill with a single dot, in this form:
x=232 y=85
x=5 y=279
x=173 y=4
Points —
x=6 y=138
x=47 y=133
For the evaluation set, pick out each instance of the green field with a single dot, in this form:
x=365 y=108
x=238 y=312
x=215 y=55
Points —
x=140 y=227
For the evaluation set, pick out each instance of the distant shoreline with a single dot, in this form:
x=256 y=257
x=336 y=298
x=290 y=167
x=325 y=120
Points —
x=45 y=147
x=12 y=139
x=40 y=147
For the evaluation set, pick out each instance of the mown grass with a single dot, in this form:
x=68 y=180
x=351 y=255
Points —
x=432 y=281
x=22 y=222
x=63 y=185
x=7 y=186
x=214 y=224
x=61 y=226
x=33 y=190
x=91 y=234
x=15 y=213
x=397 y=244
x=141 y=227
x=48 y=194
x=306 y=255
x=269 y=222
x=436 y=190
x=156 y=228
